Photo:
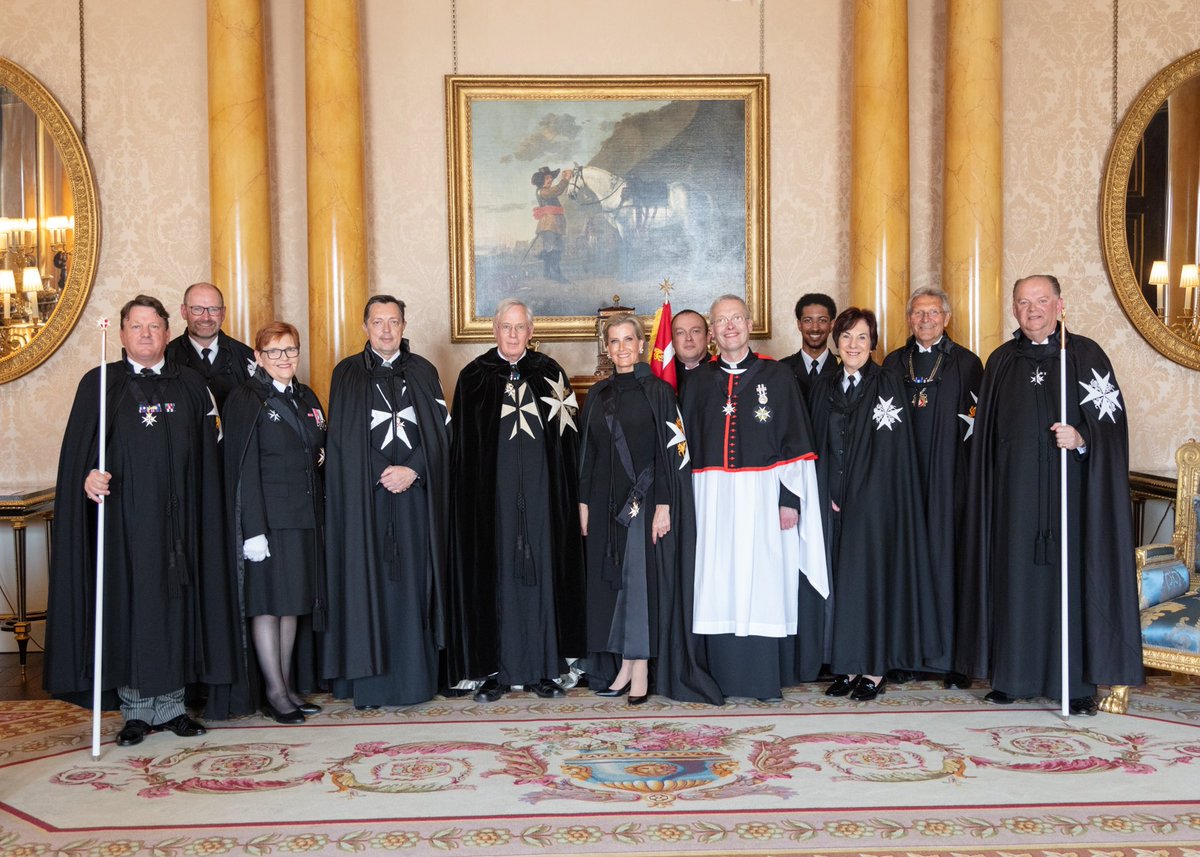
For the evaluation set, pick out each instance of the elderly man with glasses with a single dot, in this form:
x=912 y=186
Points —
x=221 y=360
x=761 y=575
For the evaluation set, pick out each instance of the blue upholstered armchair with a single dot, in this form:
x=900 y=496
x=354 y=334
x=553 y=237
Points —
x=1169 y=587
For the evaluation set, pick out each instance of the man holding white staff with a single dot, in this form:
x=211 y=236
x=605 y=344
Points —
x=1008 y=622
x=168 y=607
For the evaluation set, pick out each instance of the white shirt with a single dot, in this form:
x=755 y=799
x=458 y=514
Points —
x=808 y=360
x=387 y=361
x=212 y=349
x=846 y=380
x=137 y=367
x=923 y=350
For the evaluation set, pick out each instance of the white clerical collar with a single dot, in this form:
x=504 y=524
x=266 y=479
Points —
x=1045 y=341
x=524 y=351
x=734 y=367
x=387 y=361
x=138 y=367
x=200 y=346
x=923 y=350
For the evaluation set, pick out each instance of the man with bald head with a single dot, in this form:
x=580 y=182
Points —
x=220 y=359
x=1008 y=619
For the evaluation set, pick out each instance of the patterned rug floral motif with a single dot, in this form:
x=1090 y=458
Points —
x=585 y=776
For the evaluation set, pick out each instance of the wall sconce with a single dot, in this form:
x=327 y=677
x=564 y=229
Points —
x=1159 y=277
x=8 y=288
x=31 y=284
x=1189 y=280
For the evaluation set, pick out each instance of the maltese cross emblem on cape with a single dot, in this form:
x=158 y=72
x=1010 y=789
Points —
x=563 y=404
x=885 y=414
x=1103 y=394
x=522 y=405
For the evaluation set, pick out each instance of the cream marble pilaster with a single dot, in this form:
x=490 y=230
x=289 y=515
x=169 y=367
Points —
x=337 y=238
x=972 y=224
x=238 y=169
x=879 y=265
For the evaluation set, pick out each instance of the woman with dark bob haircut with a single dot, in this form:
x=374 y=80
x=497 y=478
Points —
x=274 y=450
x=882 y=586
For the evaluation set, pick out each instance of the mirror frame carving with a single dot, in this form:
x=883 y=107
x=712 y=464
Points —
x=1112 y=212
x=85 y=251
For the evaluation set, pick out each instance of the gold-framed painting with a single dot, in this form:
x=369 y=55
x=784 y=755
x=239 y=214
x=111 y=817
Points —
x=574 y=193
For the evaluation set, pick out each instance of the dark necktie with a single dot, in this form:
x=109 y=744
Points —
x=514 y=374
x=150 y=373
x=204 y=355
x=812 y=370
x=853 y=384
x=289 y=396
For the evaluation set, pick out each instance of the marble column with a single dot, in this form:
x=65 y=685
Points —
x=238 y=166
x=879 y=269
x=972 y=213
x=337 y=234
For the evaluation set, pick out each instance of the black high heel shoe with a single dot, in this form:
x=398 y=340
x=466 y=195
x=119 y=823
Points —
x=620 y=691
x=286 y=717
x=637 y=700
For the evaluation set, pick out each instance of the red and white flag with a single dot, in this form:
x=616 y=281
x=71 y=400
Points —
x=662 y=357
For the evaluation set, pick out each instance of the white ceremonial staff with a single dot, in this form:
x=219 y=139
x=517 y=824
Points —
x=1063 y=537
x=97 y=642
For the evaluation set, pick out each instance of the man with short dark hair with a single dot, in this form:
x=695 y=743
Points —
x=941 y=379
x=814 y=319
x=168 y=607
x=689 y=339
x=516 y=555
x=387 y=508
x=221 y=360
x=1008 y=621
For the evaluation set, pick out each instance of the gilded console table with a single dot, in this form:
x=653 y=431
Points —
x=1148 y=486
x=17 y=509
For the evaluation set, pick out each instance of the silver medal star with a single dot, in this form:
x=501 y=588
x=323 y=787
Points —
x=273 y=416
x=1037 y=377
x=149 y=419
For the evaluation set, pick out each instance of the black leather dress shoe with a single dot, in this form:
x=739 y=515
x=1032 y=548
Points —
x=612 y=692
x=901 y=676
x=133 y=732
x=842 y=685
x=285 y=717
x=366 y=708
x=546 y=689
x=183 y=726
x=999 y=697
x=1085 y=705
x=958 y=680
x=308 y=708
x=490 y=691
x=867 y=690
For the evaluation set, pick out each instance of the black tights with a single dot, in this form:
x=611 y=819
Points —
x=274 y=640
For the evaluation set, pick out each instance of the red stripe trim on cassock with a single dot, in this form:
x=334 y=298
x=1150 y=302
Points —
x=808 y=456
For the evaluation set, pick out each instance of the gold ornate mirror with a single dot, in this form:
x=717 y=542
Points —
x=1149 y=212
x=49 y=223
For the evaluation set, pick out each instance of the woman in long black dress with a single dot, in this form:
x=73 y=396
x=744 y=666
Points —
x=275 y=430
x=882 y=585
x=636 y=511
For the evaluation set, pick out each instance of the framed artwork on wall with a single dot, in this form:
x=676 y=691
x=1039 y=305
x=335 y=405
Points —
x=568 y=192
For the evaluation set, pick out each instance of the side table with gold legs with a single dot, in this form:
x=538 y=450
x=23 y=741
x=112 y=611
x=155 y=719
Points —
x=18 y=508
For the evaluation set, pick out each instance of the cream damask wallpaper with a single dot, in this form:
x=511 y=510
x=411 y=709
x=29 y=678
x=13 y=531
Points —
x=147 y=135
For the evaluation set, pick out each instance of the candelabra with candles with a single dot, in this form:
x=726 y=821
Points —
x=1189 y=281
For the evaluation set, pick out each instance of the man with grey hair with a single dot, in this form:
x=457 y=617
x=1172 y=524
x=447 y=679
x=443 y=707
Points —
x=1008 y=619
x=761 y=573
x=942 y=382
x=516 y=585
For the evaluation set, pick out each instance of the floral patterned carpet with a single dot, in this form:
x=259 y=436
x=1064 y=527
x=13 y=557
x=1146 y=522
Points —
x=920 y=771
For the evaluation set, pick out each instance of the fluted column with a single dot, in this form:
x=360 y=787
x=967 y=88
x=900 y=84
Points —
x=879 y=271
x=238 y=165
x=337 y=237
x=972 y=222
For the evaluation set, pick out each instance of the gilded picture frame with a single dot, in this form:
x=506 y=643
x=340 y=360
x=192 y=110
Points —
x=574 y=193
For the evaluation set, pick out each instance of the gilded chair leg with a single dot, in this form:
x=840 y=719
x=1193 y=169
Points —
x=1117 y=701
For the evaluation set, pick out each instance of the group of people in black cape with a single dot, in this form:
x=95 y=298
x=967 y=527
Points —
x=772 y=523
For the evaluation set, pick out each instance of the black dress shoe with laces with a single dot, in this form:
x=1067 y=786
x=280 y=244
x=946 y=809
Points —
x=546 y=689
x=490 y=691
x=842 y=685
x=1084 y=705
x=183 y=726
x=133 y=732
x=999 y=697
x=867 y=689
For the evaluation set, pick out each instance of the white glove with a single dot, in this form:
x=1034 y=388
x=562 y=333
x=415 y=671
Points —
x=256 y=549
